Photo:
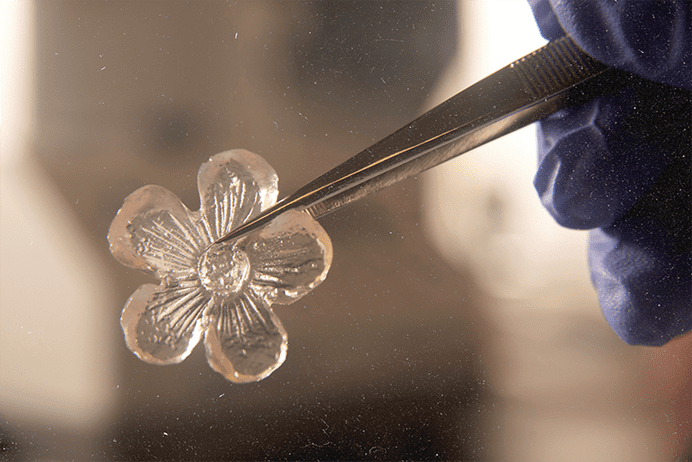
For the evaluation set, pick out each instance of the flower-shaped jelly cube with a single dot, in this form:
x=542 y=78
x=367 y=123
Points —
x=223 y=292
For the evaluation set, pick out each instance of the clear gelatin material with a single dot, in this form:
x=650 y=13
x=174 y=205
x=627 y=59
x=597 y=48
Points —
x=222 y=292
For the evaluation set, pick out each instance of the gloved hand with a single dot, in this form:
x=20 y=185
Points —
x=620 y=165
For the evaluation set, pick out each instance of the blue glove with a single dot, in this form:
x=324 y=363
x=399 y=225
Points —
x=620 y=165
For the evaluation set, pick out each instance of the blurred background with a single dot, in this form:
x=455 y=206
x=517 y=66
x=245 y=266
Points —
x=457 y=321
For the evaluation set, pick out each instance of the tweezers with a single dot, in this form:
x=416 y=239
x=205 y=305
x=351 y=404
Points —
x=551 y=78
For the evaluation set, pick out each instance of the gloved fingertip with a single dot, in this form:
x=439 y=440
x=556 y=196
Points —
x=546 y=19
x=569 y=180
x=648 y=38
x=598 y=159
x=644 y=286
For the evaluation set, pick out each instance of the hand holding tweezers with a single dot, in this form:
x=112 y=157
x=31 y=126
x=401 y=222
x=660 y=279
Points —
x=555 y=76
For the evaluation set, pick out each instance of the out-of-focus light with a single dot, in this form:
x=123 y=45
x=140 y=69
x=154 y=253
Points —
x=56 y=361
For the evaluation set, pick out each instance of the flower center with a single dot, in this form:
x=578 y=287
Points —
x=224 y=269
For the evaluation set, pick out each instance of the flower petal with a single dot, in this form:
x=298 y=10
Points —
x=289 y=257
x=245 y=341
x=163 y=324
x=233 y=187
x=154 y=231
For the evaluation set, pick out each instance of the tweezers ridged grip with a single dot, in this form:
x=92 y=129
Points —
x=557 y=65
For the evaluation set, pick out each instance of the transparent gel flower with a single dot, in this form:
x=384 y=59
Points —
x=224 y=292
